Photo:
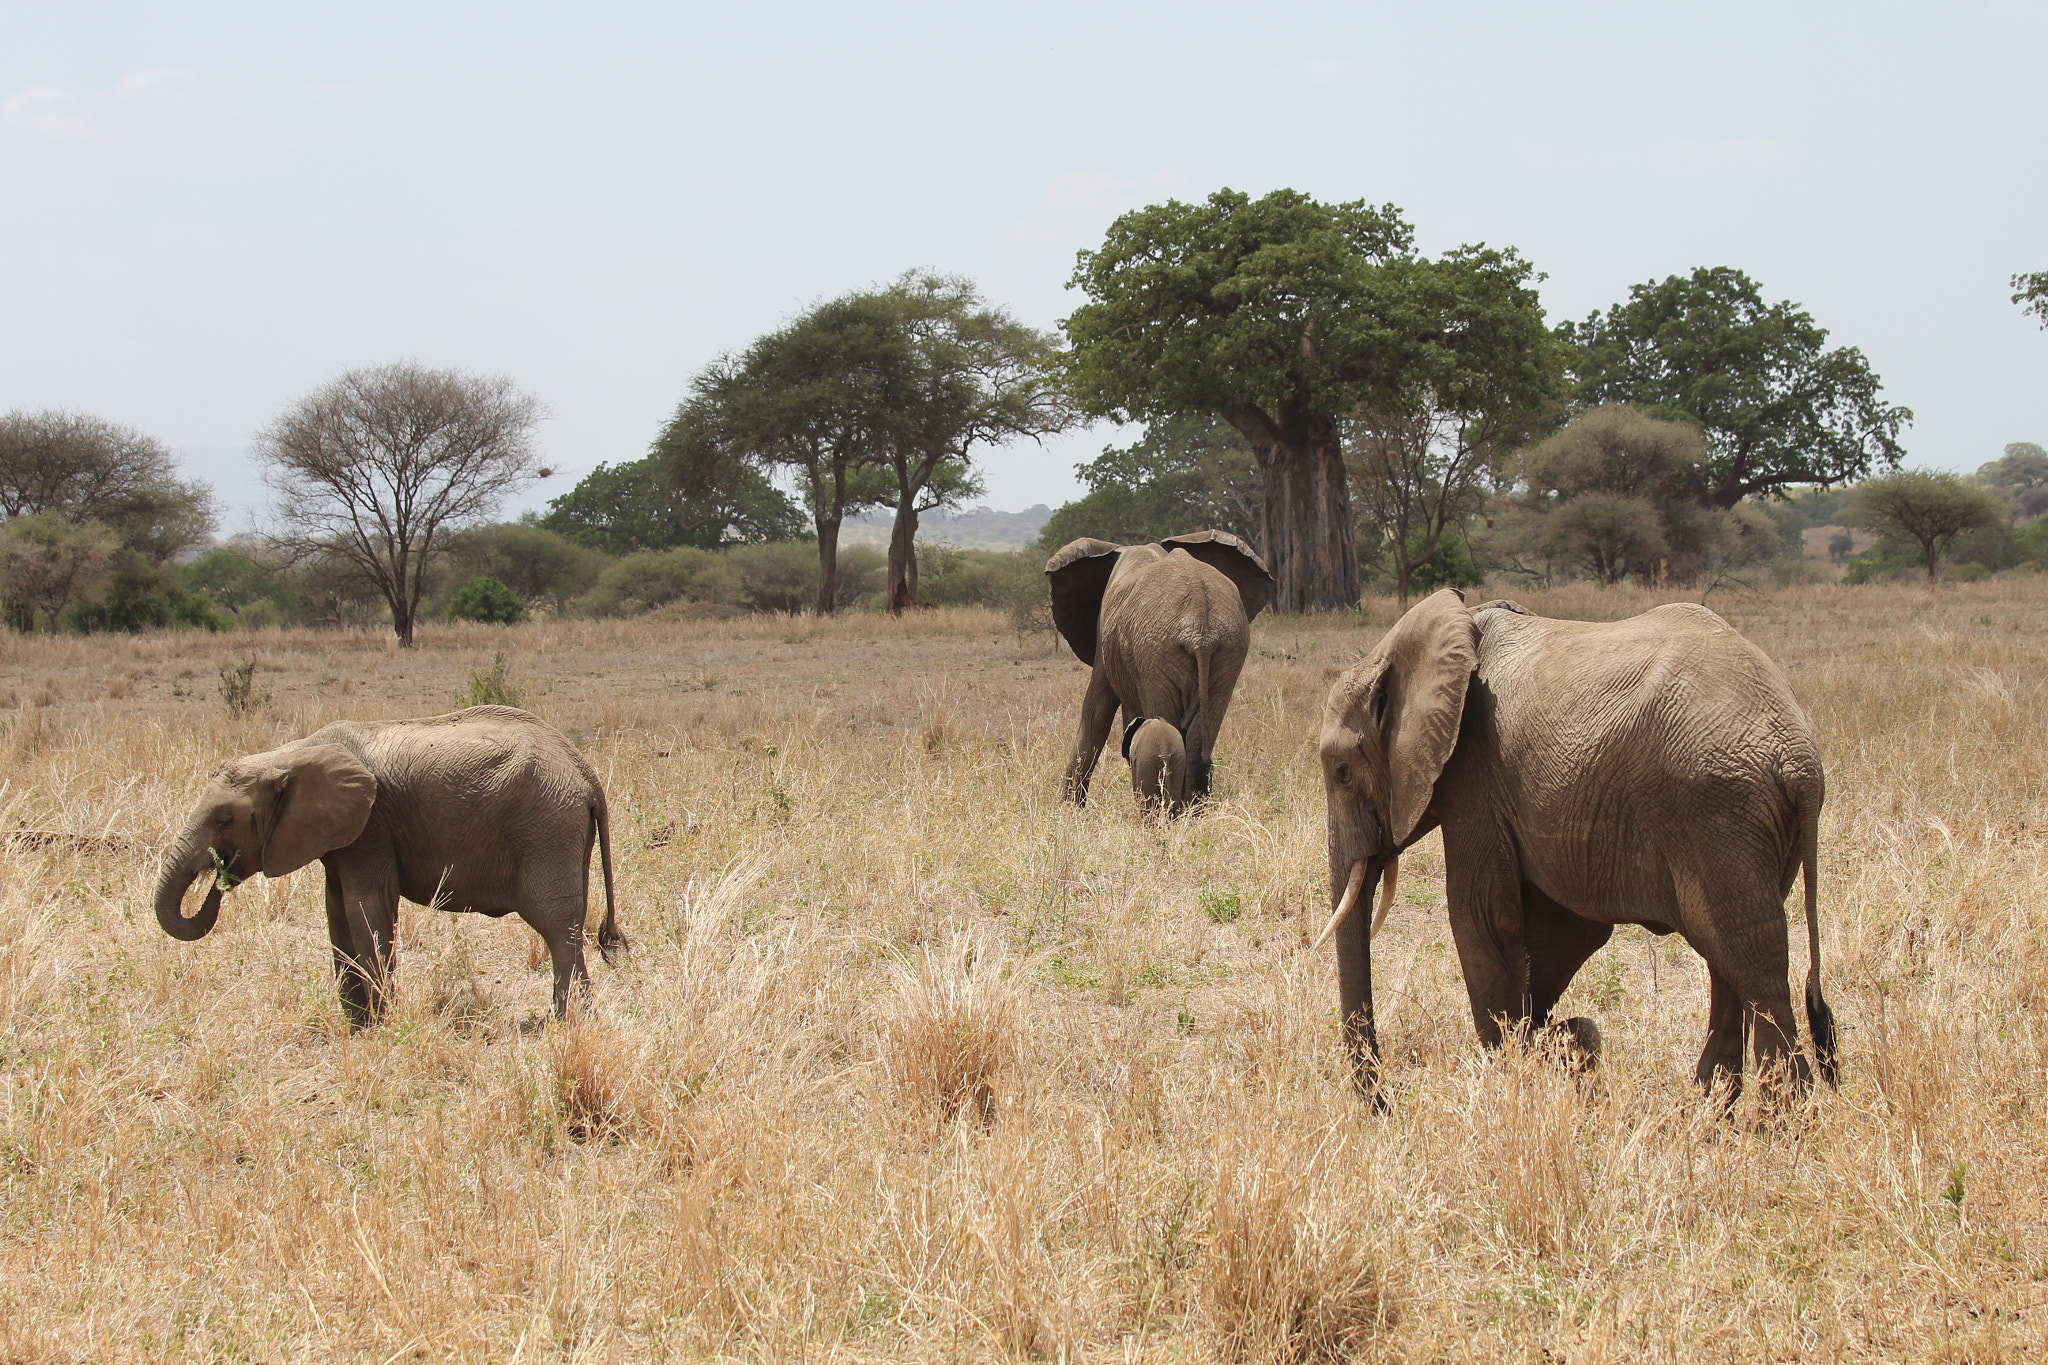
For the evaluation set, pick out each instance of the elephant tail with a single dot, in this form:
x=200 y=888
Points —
x=1820 y=1020
x=609 y=939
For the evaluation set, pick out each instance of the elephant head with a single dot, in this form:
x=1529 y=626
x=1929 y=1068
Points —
x=1389 y=726
x=1159 y=764
x=272 y=813
x=1080 y=573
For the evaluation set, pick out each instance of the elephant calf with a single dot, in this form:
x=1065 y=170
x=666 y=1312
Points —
x=489 y=809
x=1166 y=628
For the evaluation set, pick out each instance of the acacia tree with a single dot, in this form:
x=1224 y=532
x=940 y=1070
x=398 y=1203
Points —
x=975 y=377
x=1284 y=316
x=381 y=466
x=1776 y=406
x=1618 y=492
x=811 y=398
x=47 y=562
x=83 y=468
x=1931 y=509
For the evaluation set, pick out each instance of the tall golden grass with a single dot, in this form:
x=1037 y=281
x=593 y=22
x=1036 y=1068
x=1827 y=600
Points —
x=911 y=1062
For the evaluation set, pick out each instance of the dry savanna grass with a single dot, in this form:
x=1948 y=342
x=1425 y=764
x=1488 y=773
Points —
x=911 y=1062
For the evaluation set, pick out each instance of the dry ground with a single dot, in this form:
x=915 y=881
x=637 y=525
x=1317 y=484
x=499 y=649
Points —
x=910 y=1062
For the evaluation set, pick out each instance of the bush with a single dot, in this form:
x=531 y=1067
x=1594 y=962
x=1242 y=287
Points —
x=776 y=575
x=234 y=580
x=1004 y=580
x=655 y=578
x=485 y=599
x=1968 y=573
x=140 y=596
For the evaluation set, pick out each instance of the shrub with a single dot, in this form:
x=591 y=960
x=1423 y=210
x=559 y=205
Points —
x=492 y=686
x=950 y=577
x=485 y=599
x=776 y=575
x=1968 y=573
x=655 y=578
x=140 y=596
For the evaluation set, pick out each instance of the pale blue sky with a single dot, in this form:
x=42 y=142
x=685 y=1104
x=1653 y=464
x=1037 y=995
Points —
x=206 y=209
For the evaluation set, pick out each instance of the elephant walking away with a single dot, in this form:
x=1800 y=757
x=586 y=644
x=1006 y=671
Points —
x=1165 y=628
x=1653 y=771
x=490 y=810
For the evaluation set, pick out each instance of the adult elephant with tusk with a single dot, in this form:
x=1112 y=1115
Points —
x=1165 y=629
x=489 y=809
x=1652 y=771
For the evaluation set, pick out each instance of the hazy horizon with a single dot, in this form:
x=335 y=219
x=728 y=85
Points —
x=205 y=214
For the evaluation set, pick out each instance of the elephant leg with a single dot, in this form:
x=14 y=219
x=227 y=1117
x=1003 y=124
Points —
x=369 y=900
x=1558 y=944
x=560 y=925
x=1749 y=959
x=1098 y=711
x=1483 y=888
x=351 y=976
x=1722 y=1056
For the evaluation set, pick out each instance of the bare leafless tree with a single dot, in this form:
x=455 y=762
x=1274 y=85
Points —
x=381 y=466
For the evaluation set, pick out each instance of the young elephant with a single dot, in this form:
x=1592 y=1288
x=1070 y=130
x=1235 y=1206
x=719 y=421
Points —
x=1165 y=628
x=1653 y=771
x=489 y=810
x=1159 y=764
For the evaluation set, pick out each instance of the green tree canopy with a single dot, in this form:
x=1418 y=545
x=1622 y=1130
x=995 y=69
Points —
x=1776 y=406
x=1186 y=473
x=1930 y=509
x=1283 y=316
x=685 y=493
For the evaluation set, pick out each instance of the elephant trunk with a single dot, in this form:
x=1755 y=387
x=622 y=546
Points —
x=180 y=869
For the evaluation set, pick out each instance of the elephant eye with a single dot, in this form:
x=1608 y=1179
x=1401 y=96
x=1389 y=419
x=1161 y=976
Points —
x=1343 y=774
x=223 y=820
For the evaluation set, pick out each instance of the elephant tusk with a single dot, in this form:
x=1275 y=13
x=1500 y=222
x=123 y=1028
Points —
x=1379 y=916
x=1344 y=905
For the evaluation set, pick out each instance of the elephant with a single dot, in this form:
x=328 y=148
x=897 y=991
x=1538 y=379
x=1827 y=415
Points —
x=1652 y=771
x=1165 y=628
x=488 y=809
x=1159 y=764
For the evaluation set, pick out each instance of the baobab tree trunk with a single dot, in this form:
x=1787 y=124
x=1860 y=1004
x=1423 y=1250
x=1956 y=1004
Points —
x=1310 y=547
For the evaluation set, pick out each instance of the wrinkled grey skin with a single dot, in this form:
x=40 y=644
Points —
x=1653 y=771
x=489 y=810
x=1171 y=641
x=1159 y=767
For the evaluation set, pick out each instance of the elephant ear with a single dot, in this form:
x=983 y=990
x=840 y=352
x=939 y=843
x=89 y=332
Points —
x=1078 y=574
x=1235 y=560
x=323 y=800
x=1425 y=663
